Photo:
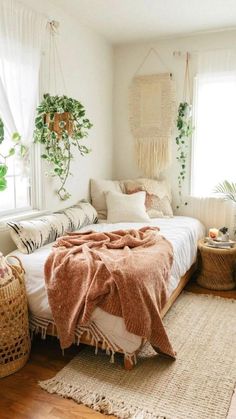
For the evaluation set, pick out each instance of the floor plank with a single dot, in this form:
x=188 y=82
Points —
x=22 y=398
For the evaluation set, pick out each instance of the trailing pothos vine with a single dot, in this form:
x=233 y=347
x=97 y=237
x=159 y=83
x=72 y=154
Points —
x=185 y=129
x=17 y=147
x=61 y=125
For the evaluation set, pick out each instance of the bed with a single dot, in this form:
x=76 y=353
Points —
x=105 y=330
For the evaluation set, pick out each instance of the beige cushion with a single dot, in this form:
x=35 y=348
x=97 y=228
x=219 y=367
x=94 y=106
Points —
x=158 y=199
x=97 y=191
x=126 y=208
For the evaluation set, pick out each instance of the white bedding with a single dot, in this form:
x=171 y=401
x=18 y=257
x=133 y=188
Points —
x=182 y=232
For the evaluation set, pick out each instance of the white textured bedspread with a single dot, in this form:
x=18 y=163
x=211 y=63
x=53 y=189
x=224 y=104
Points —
x=182 y=232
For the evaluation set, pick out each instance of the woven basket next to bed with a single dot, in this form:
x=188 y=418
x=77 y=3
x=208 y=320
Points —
x=218 y=267
x=14 y=325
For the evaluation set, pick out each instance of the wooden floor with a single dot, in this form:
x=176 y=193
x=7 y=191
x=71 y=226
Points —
x=22 y=398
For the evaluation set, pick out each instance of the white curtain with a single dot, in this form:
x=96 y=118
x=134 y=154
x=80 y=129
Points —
x=214 y=120
x=212 y=212
x=21 y=34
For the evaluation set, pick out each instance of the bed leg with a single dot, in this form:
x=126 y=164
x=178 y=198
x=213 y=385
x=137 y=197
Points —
x=128 y=364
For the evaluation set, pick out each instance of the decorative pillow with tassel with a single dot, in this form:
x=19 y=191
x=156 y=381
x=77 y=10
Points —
x=158 y=195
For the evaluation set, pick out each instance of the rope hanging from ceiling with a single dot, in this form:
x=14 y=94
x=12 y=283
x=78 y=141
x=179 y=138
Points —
x=54 y=61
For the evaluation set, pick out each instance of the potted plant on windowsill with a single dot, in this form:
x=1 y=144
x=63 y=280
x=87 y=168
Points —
x=17 y=146
x=60 y=125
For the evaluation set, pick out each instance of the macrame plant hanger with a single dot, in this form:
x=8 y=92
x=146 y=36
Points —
x=152 y=107
x=54 y=61
x=187 y=88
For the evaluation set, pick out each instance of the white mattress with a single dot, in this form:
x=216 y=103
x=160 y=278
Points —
x=182 y=232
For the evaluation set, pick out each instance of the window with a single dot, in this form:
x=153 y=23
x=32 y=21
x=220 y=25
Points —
x=214 y=140
x=21 y=35
x=17 y=196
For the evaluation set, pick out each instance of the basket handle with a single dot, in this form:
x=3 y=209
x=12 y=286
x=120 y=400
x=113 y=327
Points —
x=19 y=262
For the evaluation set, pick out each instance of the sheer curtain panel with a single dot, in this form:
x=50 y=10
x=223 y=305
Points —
x=21 y=35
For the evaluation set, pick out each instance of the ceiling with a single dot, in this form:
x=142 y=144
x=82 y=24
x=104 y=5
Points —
x=122 y=21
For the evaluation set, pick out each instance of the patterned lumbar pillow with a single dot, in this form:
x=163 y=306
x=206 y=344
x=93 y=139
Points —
x=158 y=196
x=32 y=234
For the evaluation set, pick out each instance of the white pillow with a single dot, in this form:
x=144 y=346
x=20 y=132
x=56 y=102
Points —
x=126 y=208
x=97 y=191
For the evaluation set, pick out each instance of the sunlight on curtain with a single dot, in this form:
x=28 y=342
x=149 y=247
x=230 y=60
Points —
x=214 y=142
x=21 y=35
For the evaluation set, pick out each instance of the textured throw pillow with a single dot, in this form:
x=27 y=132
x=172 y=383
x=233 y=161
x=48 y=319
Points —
x=30 y=235
x=97 y=191
x=158 y=198
x=126 y=208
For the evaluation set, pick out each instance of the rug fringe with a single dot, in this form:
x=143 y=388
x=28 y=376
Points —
x=96 y=402
x=210 y=296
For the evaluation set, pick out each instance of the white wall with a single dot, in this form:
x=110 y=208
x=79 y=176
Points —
x=87 y=61
x=127 y=60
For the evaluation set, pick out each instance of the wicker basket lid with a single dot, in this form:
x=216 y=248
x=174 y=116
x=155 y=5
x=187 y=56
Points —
x=6 y=275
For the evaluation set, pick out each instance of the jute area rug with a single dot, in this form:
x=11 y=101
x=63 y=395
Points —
x=198 y=385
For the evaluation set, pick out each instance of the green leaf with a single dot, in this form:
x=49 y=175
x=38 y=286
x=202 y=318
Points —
x=3 y=170
x=3 y=184
x=11 y=152
x=23 y=150
x=1 y=131
x=16 y=137
x=227 y=189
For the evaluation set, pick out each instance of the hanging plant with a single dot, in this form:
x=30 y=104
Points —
x=17 y=147
x=60 y=125
x=185 y=129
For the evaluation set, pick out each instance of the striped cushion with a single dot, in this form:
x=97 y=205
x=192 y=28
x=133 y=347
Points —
x=32 y=234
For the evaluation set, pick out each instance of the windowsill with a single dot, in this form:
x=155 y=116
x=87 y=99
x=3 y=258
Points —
x=20 y=217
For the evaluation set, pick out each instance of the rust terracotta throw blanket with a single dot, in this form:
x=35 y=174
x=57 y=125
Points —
x=124 y=272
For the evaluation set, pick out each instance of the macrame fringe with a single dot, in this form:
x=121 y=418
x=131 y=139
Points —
x=152 y=112
x=152 y=155
x=95 y=401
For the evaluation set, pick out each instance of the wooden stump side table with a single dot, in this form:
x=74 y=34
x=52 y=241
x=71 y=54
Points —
x=217 y=267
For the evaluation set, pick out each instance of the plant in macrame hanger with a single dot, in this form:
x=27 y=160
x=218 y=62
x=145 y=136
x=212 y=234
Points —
x=60 y=125
x=185 y=129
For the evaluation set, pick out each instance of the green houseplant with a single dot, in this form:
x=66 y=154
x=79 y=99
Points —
x=185 y=130
x=17 y=146
x=228 y=190
x=60 y=125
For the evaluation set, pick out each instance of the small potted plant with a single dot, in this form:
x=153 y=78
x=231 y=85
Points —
x=60 y=125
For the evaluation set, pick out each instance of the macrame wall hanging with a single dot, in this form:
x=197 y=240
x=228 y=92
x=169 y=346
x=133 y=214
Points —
x=152 y=109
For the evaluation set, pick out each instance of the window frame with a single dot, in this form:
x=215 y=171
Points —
x=36 y=189
x=194 y=134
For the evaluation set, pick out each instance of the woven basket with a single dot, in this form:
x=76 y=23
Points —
x=14 y=325
x=217 y=268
